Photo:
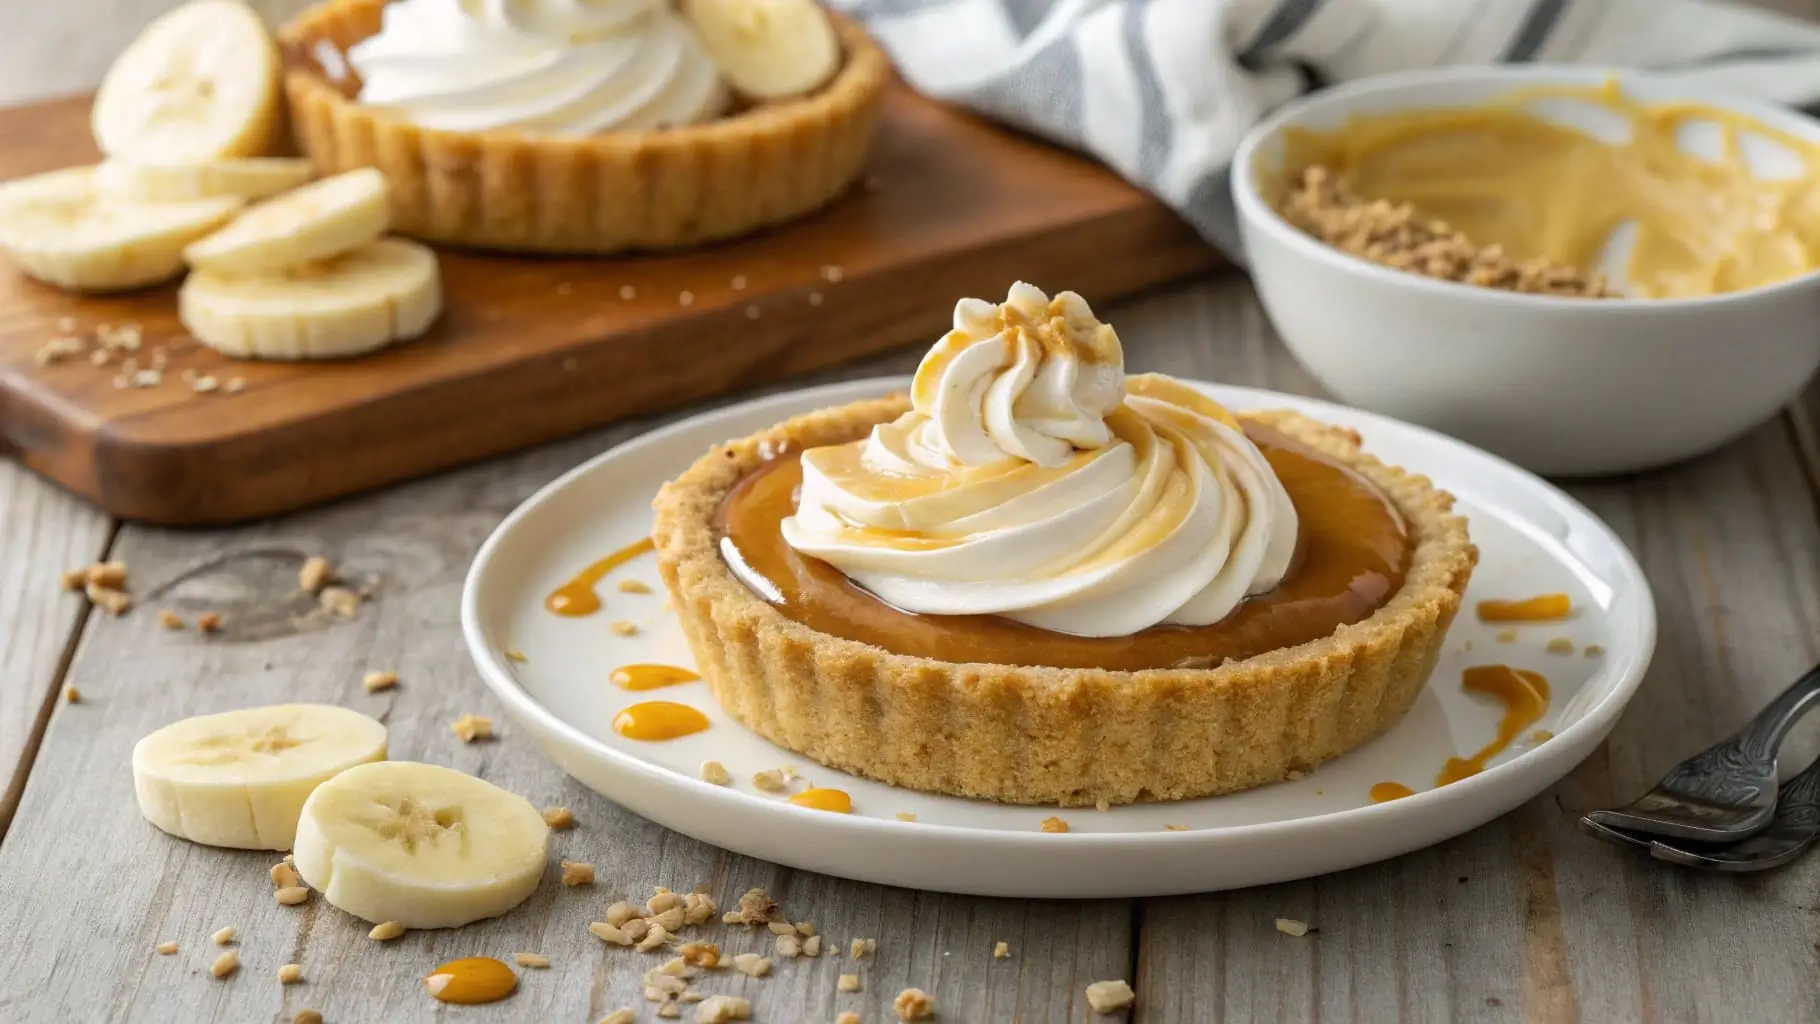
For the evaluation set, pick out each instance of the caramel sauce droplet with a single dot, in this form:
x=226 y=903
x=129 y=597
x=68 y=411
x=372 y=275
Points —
x=474 y=979
x=651 y=677
x=824 y=800
x=1384 y=792
x=658 y=720
x=1525 y=698
x=1542 y=608
x=577 y=597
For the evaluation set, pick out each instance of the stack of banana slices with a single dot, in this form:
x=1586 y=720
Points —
x=419 y=844
x=184 y=118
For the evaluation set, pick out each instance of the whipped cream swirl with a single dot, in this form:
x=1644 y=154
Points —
x=1032 y=479
x=571 y=67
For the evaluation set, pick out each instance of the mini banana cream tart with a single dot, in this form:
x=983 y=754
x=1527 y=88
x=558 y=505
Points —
x=1038 y=579
x=587 y=125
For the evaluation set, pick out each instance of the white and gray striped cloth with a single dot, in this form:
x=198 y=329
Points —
x=1162 y=90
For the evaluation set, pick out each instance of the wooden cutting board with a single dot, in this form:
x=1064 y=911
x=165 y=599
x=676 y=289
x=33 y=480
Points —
x=531 y=349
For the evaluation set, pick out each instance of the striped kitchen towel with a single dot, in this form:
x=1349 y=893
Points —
x=1162 y=90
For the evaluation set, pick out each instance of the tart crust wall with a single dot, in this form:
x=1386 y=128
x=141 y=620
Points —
x=599 y=193
x=1033 y=735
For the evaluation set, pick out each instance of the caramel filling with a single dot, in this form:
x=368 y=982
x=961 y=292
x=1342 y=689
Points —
x=1505 y=176
x=1352 y=552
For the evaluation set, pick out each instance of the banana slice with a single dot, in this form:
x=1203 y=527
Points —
x=767 y=49
x=240 y=778
x=200 y=83
x=322 y=219
x=62 y=229
x=248 y=178
x=423 y=845
x=356 y=303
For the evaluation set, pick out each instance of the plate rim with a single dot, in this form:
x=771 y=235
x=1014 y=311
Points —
x=1629 y=667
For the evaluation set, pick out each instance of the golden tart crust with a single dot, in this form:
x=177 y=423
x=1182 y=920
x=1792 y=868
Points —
x=1033 y=735
x=599 y=193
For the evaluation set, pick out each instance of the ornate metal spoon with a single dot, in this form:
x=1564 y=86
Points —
x=1724 y=793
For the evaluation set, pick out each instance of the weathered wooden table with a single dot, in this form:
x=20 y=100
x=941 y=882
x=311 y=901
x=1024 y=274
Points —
x=1523 y=919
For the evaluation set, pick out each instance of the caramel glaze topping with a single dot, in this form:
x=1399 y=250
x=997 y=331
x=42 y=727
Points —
x=1351 y=554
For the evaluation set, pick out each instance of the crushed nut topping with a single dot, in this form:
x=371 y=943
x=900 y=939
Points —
x=306 y=1017
x=847 y=983
x=698 y=908
x=1054 y=824
x=751 y=965
x=913 y=1004
x=576 y=873
x=905 y=816
x=472 y=727
x=847 y=1017
x=634 y=587
x=716 y=773
x=782 y=928
x=169 y=619
x=859 y=948
x=339 y=601
x=386 y=931
x=620 y=1017
x=1175 y=828
x=531 y=960
x=108 y=574
x=1107 y=996
x=71 y=695
x=514 y=654
x=720 y=1009
x=292 y=895
x=1394 y=235
x=1001 y=950
x=209 y=622
x=700 y=954
x=812 y=946
x=559 y=818
x=789 y=946
x=1290 y=926
x=225 y=964
x=654 y=938
x=619 y=913
x=609 y=933
x=755 y=908
x=290 y=974
x=376 y=682
x=1507 y=636
x=1593 y=650
x=771 y=780
x=1560 y=645
x=166 y=948
x=114 y=602
x=224 y=936
x=620 y=627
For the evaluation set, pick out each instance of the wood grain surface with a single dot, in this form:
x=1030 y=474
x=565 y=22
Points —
x=1521 y=920
x=531 y=349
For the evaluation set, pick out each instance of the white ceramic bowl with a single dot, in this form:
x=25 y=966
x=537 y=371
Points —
x=1561 y=386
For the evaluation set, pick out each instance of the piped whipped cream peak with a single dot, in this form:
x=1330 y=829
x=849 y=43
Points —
x=1032 y=479
x=572 y=67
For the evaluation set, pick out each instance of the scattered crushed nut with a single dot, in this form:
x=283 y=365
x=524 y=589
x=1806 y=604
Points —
x=781 y=928
x=290 y=974
x=1507 y=636
x=905 y=816
x=71 y=695
x=812 y=946
x=847 y=1017
x=1290 y=926
x=225 y=964
x=771 y=780
x=306 y=1017
x=858 y=948
x=913 y=1004
x=751 y=965
x=376 y=682
x=789 y=946
x=654 y=938
x=637 y=928
x=108 y=574
x=1054 y=824
x=559 y=818
x=1593 y=650
x=634 y=587
x=609 y=933
x=577 y=873
x=670 y=920
x=700 y=954
x=531 y=959
x=1559 y=645
x=224 y=936
x=166 y=948
x=338 y=601
x=1001 y=950
x=284 y=875
x=1175 y=828
x=619 y=913
x=114 y=602
x=1107 y=996
x=386 y=931
x=847 y=983
x=620 y=1017
x=1396 y=236
x=169 y=619
x=74 y=579
x=698 y=908
x=209 y=622
x=663 y=900
x=472 y=727
x=291 y=895
x=514 y=654
x=720 y=1009
x=620 y=627
x=755 y=908
x=1102 y=804
x=715 y=772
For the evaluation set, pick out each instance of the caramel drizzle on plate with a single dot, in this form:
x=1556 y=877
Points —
x=651 y=677
x=657 y=720
x=577 y=597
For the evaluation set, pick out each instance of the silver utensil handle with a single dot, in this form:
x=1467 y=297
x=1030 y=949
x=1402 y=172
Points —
x=1743 y=768
x=1759 y=739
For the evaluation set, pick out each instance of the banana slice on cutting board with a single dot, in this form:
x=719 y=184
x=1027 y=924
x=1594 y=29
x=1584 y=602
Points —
x=767 y=49
x=61 y=228
x=240 y=778
x=199 y=83
x=322 y=219
x=423 y=845
x=354 y=303
x=248 y=178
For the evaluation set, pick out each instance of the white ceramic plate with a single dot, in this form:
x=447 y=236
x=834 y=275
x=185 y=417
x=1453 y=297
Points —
x=1532 y=539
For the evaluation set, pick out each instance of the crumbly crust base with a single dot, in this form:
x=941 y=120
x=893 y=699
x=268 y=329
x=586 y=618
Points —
x=1032 y=735
x=596 y=194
